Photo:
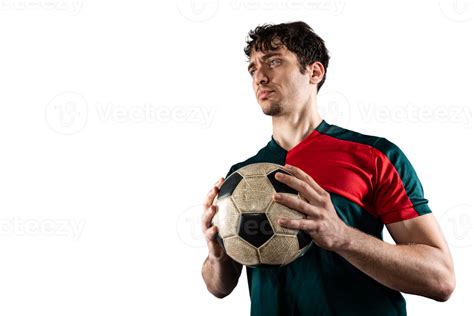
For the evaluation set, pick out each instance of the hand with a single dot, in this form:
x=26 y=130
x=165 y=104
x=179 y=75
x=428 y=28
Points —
x=322 y=222
x=209 y=230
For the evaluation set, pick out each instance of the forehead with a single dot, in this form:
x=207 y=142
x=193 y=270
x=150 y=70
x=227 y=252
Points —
x=282 y=50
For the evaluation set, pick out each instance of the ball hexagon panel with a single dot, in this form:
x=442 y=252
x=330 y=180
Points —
x=241 y=251
x=253 y=194
x=227 y=217
x=258 y=169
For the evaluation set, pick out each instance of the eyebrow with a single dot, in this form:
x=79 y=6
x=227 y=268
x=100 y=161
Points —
x=265 y=57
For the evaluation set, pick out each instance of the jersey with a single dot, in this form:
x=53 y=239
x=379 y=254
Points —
x=371 y=183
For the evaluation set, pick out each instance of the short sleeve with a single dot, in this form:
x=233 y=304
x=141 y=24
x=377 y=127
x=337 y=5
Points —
x=397 y=191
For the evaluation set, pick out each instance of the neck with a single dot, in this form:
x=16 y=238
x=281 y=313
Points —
x=290 y=129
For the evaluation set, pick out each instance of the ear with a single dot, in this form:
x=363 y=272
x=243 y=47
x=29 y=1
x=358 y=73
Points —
x=316 y=71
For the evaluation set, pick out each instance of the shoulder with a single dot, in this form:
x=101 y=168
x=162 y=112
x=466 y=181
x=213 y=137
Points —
x=379 y=144
x=344 y=134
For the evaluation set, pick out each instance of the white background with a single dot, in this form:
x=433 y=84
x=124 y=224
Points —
x=116 y=118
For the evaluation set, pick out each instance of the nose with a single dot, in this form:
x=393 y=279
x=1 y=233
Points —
x=260 y=76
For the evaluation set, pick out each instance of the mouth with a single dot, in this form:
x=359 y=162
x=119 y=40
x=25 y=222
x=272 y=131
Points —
x=264 y=94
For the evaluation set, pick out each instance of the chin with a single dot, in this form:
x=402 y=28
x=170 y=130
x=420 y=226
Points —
x=273 y=109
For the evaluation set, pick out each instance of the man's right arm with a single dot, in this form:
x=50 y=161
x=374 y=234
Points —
x=220 y=272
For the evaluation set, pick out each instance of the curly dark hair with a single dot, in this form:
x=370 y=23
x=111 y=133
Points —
x=298 y=37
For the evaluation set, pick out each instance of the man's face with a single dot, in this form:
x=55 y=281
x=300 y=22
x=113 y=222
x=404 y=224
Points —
x=278 y=84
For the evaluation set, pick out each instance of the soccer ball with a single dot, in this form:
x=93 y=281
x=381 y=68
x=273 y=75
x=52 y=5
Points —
x=247 y=218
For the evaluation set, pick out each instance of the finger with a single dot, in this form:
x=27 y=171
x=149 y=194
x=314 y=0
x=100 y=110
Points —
x=293 y=202
x=209 y=198
x=212 y=193
x=211 y=233
x=206 y=219
x=219 y=182
x=294 y=183
x=298 y=224
x=305 y=189
x=300 y=174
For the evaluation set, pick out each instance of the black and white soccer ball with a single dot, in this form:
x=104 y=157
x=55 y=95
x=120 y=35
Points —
x=247 y=218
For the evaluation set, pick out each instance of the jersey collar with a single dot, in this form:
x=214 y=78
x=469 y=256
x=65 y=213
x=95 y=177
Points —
x=274 y=146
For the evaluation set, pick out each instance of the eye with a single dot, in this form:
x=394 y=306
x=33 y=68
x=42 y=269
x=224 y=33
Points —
x=252 y=71
x=274 y=62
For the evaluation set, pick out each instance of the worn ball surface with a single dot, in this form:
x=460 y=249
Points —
x=247 y=218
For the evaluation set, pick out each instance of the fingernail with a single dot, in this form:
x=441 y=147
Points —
x=276 y=196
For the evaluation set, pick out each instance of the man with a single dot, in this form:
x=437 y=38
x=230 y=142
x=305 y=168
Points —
x=351 y=184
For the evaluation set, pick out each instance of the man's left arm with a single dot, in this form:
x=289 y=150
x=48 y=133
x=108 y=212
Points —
x=420 y=263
